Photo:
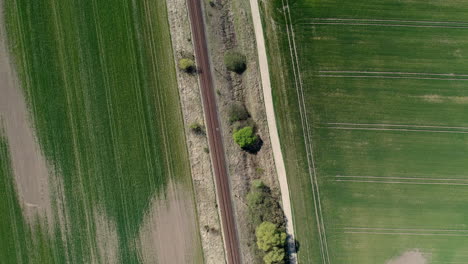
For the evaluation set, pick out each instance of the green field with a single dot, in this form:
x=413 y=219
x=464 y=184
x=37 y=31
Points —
x=100 y=83
x=375 y=93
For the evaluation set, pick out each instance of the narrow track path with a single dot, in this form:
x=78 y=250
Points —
x=231 y=242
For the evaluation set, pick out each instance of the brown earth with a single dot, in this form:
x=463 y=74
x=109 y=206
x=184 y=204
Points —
x=168 y=233
x=106 y=238
x=30 y=168
x=409 y=257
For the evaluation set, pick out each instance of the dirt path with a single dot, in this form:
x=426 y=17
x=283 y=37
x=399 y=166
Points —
x=272 y=128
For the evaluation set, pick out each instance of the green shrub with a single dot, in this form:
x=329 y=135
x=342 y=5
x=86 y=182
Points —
x=237 y=112
x=245 y=137
x=235 y=62
x=254 y=199
x=258 y=184
x=275 y=256
x=267 y=215
x=187 y=65
x=269 y=236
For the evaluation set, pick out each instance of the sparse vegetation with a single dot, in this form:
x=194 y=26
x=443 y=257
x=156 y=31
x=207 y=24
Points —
x=235 y=62
x=262 y=205
x=259 y=171
x=197 y=129
x=245 y=137
x=238 y=112
x=187 y=65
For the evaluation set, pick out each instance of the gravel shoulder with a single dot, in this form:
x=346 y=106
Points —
x=192 y=110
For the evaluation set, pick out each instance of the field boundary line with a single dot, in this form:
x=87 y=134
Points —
x=392 y=20
x=399 y=178
x=386 y=25
x=273 y=129
x=398 y=125
x=389 y=77
x=399 y=73
x=404 y=233
x=400 y=182
x=397 y=129
x=405 y=229
x=307 y=134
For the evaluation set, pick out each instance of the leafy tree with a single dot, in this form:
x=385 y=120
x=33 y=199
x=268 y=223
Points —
x=269 y=236
x=275 y=256
x=245 y=137
x=235 y=62
x=187 y=65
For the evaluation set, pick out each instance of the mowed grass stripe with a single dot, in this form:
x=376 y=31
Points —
x=389 y=77
x=396 y=129
x=404 y=182
x=393 y=21
x=399 y=125
x=403 y=178
x=403 y=233
x=400 y=73
x=386 y=25
x=404 y=229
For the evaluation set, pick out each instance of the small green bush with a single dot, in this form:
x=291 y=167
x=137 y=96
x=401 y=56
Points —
x=275 y=256
x=197 y=129
x=245 y=137
x=258 y=184
x=235 y=62
x=187 y=65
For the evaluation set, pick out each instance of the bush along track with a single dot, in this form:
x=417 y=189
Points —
x=270 y=226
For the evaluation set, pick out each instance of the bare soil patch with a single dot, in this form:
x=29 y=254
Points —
x=29 y=165
x=106 y=238
x=409 y=257
x=168 y=233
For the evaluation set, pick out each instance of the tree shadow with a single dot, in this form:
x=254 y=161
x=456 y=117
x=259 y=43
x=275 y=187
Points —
x=254 y=148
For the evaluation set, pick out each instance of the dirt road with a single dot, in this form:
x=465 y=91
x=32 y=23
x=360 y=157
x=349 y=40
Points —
x=214 y=133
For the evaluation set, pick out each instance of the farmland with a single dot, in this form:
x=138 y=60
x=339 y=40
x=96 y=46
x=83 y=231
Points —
x=371 y=99
x=98 y=80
